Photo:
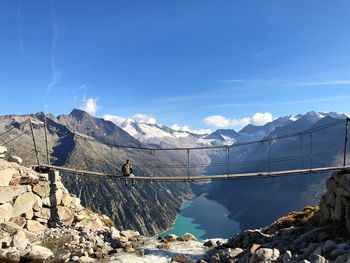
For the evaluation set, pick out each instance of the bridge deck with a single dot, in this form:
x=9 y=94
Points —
x=200 y=178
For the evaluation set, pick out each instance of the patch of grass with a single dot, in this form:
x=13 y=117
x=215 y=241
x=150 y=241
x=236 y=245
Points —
x=309 y=216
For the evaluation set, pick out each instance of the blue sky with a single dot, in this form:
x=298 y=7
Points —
x=199 y=63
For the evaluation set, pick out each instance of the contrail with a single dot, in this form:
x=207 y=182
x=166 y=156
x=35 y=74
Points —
x=55 y=72
x=19 y=26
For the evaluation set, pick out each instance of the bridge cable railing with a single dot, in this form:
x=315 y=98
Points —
x=186 y=165
x=228 y=163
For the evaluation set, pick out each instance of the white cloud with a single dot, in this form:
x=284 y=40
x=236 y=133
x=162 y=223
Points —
x=217 y=121
x=257 y=119
x=321 y=83
x=90 y=106
x=114 y=118
x=144 y=118
x=223 y=122
x=177 y=127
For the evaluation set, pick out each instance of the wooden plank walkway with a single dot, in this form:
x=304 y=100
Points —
x=200 y=178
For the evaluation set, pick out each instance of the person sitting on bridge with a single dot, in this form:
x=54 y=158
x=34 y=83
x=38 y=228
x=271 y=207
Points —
x=127 y=171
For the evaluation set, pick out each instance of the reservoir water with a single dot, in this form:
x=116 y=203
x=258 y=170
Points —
x=205 y=219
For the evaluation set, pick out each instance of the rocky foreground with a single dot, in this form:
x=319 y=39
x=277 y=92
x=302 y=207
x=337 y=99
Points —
x=40 y=221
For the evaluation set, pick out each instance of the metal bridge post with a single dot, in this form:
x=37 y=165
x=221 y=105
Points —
x=188 y=163
x=302 y=150
x=150 y=170
x=46 y=142
x=310 y=151
x=34 y=143
x=269 y=157
x=346 y=141
x=228 y=160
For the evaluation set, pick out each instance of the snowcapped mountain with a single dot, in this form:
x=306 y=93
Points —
x=163 y=136
x=158 y=134
x=287 y=124
x=306 y=121
x=253 y=132
x=221 y=137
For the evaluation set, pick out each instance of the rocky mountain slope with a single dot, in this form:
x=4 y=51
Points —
x=40 y=221
x=147 y=207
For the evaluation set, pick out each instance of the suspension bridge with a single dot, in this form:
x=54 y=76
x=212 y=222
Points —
x=309 y=152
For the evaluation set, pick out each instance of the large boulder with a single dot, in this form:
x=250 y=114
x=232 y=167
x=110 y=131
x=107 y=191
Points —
x=23 y=204
x=20 y=221
x=13 y=228
x=115 y=234
x=20 y=241
x=170 y=238
x=228 y=253
x=28 y=179
x=44 y=213
x=86 y=259
x=20 y=189
x=67 y=199
x=65 y=215
x=10 y=255
x=38 y=253
x=94 y=224
x=6 y=194
x=187 y=237
x=15 y=159
x=265 y=255
x=315 y=258
x=38 y=203
x=6 y=176
x=35 y=226
x=6 y=212
x=76 y=204
x=3 y=150
x=129 y=234
x=42 y=189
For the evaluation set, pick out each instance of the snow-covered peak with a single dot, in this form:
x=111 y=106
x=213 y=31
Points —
x=128 y=121
x=337 y=115
x=158 y=134
x=315 y=114
x=293 y=117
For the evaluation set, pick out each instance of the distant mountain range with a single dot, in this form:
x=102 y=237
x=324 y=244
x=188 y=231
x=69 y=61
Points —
x=164 y=136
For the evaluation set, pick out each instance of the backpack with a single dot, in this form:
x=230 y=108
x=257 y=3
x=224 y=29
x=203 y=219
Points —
x=126 y=169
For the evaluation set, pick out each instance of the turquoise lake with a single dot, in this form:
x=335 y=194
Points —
x=205 y=219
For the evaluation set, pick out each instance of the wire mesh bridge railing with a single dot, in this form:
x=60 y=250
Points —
x=323 y=148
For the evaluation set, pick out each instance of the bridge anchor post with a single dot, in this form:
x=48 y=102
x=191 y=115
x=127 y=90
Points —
x=34 y=143
x=346 y=141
